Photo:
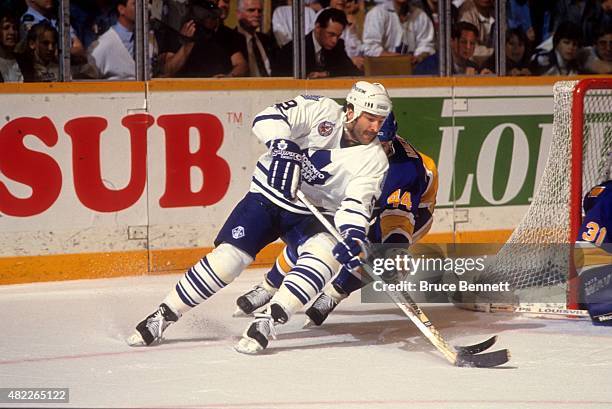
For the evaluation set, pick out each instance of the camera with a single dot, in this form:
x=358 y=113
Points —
x=203 y=10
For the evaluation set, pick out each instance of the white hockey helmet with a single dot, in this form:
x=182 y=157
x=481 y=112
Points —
x=369 y=97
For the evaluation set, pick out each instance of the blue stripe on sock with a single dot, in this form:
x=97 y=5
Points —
x=320 y=277
x=295 y=290
x=197 y=285
x=205 y=286
x=212 y=273
x=315 y=282
x=319 y=261
x=184 y=296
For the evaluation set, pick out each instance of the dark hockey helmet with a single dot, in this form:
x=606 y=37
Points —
x=388 y=130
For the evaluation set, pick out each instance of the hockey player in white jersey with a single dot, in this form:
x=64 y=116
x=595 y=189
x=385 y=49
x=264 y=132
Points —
x=335 y=153
x=404 y=215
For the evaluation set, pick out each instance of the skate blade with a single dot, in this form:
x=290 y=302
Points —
x=308 y=324
x=135 y=340
x=248 y=346
x=239 y=313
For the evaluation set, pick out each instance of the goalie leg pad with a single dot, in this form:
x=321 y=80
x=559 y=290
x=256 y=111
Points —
x=596 y=293
x=219 y=268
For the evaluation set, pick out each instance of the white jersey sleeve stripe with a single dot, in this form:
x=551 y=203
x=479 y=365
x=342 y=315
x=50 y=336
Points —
x=350 y=199
x=275 y=117
x=356 y=212
x=275 y=198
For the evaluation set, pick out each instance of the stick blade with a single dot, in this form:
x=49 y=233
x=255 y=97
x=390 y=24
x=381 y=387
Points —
x=486 y=360
x=476 y=348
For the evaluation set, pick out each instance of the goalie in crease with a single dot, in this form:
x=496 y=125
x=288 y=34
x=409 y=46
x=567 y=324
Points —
x=403 y=215
x=331 y=152
x=593 y=253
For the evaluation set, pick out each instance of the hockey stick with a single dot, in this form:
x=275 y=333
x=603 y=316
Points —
x=464 y=356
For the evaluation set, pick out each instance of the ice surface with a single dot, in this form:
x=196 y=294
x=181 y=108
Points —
x=71 y=334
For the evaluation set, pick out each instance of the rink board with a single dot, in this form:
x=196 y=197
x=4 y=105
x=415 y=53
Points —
x=107 y=179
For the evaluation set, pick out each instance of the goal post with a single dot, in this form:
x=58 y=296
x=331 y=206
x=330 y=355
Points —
x=537 y=259
x=590 y=97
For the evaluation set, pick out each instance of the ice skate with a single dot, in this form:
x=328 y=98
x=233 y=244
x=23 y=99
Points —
x=256 y=337
x=322 y=306
x=256 y=298
x=149 y=331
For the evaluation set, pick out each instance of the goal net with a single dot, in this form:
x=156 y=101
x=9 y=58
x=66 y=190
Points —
x=537 y=259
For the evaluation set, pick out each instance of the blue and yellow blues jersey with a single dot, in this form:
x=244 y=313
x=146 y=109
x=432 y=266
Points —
x=408 y=196
x=593 y=254
x=597 y=220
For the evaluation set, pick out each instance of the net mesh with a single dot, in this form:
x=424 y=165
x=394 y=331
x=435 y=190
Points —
x=544 y=262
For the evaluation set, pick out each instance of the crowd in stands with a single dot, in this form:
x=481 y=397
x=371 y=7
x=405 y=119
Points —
x=192 y=38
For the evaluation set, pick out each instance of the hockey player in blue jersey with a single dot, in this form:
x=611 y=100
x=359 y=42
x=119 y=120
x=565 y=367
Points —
x=403 y=215
x=332 y=154
x=593 y=254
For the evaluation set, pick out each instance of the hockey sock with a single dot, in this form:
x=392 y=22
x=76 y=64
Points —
x=308 y=277
x=283 y=265
x=213 y=272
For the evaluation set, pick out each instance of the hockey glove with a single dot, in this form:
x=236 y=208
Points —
x=286 y=168
x=351 y=252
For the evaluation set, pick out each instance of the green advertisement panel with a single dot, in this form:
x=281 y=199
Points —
x=490 y=151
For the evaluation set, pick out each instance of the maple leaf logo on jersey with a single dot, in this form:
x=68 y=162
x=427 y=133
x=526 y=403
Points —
x=282 y=145
x=326 y=128
x=312 y=166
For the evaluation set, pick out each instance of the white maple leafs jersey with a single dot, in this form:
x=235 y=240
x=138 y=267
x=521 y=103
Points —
x=344 y=182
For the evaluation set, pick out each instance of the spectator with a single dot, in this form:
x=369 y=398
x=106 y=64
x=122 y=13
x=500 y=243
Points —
x=9 y=37
x=260 y=48
x=352 y=32
x=409 y=17
x=430 y=7
x=232 y=40
x=481 y=14
x=224 y=6
x=384 y=31
x=113 y=53
x=519 y=17
x=541 y=17
x=44 y=10
x=355 y=16
x=91 y=19
x=464 y=38
x=172 y=62
x=282 y=21
x=597 y=59
x=352 y=41
x=601 y=19
x=202 y=48
x=41 y=63
x=563 y=58
x=325 y=53
x=517 y=57
x=586 y=14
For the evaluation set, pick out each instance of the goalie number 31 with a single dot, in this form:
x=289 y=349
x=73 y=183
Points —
x=594 y=233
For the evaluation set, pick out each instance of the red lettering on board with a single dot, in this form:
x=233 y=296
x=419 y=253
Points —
x=179 y=160
x=88 y=183
x=37 y=170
